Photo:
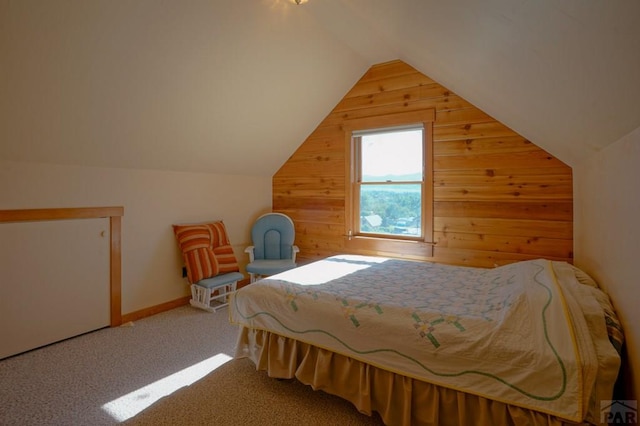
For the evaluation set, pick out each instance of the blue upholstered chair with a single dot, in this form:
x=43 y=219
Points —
x=273 y=250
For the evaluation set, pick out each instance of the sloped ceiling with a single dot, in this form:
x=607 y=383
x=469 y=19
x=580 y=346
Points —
x=235 y=87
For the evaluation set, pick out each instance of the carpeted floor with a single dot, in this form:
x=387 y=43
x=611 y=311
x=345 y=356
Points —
x=246 y=397
x=174 y=368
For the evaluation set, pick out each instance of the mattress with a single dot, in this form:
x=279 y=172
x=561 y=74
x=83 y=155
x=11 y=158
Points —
x=526 y=334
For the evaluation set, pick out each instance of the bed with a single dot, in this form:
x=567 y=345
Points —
x=426 y=343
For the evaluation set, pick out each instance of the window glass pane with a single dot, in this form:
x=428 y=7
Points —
x=392 y=156
x=391 y=209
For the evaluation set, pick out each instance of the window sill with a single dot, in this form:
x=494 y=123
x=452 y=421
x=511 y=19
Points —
x=389 y=247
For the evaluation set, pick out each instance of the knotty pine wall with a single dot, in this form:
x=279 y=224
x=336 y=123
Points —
x=498 y=198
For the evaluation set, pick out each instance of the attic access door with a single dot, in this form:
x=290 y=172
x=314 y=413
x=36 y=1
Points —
x=55 y=277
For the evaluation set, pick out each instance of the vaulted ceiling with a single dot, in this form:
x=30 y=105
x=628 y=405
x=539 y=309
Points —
x=235 y=87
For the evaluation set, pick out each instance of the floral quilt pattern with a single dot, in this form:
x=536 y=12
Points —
x=504 y=333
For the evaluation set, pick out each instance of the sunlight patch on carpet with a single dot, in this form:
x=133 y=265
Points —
x=133 y=403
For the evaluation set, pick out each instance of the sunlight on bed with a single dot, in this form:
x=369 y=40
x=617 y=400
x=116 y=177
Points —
x=330 y=269
x=135 y=402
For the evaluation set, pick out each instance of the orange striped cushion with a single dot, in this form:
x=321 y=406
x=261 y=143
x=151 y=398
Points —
x=222 y=249
x=205 y=249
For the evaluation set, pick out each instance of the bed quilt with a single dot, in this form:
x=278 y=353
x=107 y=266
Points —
x=512 y=334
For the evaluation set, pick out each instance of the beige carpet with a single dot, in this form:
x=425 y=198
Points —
x=110 y=375
x=237 y=394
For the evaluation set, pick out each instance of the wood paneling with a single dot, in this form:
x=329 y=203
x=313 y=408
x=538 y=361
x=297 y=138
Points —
x=498 y=198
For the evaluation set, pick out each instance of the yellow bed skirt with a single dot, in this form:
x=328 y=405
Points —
x=399 y=400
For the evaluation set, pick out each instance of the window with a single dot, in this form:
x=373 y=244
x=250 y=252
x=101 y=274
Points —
x=389 y=201
x=390 y=176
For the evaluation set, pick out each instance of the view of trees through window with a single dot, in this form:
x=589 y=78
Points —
x=390 y=186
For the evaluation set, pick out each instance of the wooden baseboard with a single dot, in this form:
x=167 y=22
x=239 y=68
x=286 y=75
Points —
x=243 y=283
x=147 y=312
x=152 y=310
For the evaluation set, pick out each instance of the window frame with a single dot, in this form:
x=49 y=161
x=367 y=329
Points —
x=405 y=246
x=359 y=183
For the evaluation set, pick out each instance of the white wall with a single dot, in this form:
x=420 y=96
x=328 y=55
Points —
x=607 y=233
x=152 y=201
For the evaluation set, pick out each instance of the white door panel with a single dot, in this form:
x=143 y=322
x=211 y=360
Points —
x=54 y=281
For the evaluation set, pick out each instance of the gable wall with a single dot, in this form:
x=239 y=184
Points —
x=498 y=198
